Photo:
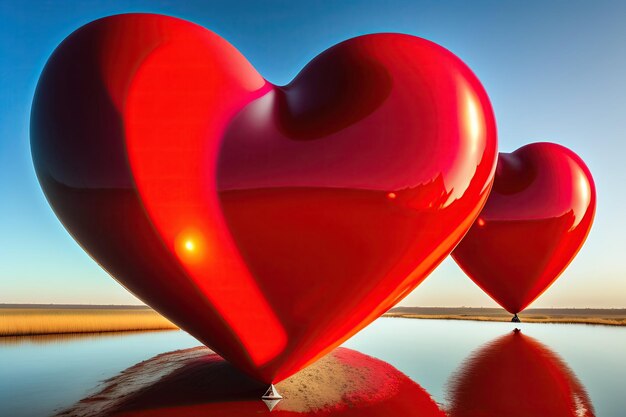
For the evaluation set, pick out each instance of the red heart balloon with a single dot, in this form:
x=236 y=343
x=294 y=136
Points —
x=536 y=219
x=270 y=222
x=517 y=376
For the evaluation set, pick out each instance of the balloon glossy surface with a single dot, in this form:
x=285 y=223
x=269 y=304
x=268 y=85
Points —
x=270 y=222
x=536 y=219
x=517 y=376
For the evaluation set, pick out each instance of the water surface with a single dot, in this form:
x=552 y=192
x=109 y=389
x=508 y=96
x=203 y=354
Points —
x=41 y=375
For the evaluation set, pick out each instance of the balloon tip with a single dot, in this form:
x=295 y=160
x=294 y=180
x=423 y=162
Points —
x=271 y=397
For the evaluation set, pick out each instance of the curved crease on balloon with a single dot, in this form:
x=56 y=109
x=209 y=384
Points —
x=536 y=219
x=516 y=375
x=272 y=223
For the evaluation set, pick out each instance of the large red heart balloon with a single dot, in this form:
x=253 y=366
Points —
x=270 y=222
x=536 y=219
x=517 y=376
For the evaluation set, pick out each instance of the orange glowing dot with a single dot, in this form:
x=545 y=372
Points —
x=480 y=222
x=191 y=246
x=391 y=196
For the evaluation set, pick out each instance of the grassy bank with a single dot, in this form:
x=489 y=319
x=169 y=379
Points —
x=74 y=319
x=612 y=317
x=30 y=320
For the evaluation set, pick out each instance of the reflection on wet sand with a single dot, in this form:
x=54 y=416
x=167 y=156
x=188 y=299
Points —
x=196 y=382
x=516 y=376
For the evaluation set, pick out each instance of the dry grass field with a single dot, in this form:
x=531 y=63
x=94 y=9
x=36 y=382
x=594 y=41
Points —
x=65 y=320
x=31 y=320
x=612 y=317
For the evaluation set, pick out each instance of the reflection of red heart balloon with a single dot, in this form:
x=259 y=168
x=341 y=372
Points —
x=516 y=376
x=270 y=222
x=194 y=382
x=536 y=219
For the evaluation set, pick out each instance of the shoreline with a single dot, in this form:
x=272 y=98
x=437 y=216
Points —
x=603 y=317
x=15 y=322
x=19 y=321
x=591 y=322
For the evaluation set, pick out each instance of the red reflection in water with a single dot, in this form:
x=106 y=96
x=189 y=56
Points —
x=354 y=385
x=536 y=219
x=270 y=222
x=517 y=376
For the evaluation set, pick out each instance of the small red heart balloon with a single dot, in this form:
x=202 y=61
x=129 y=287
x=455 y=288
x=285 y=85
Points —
x=272 y=223
x=536 y=219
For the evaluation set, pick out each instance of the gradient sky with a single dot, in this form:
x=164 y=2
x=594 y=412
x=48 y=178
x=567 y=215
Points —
x=555 y=71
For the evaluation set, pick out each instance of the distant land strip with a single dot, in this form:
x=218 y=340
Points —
x=29 y=320
x=51 y=319
x=77 y=306
x=608 y=316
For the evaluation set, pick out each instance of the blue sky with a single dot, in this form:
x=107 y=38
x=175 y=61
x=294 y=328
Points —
x=555 y=71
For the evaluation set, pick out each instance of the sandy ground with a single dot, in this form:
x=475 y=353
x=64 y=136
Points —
x=613 y=317
x=196 y=382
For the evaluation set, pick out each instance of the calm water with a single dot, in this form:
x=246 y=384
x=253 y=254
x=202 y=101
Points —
x=43 y=374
